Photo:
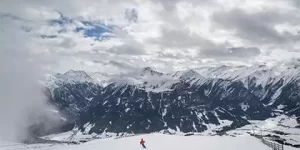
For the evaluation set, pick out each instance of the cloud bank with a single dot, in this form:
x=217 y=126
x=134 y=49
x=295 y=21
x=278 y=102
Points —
x=22 y=102
x=118 y=36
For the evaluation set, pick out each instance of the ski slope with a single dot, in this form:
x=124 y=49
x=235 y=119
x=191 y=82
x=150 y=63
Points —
x=159 y=142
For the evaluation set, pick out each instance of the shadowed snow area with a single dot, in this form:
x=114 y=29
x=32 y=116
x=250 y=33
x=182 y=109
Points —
x=160 y=141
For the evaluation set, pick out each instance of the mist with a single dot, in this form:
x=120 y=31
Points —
x=22 y=101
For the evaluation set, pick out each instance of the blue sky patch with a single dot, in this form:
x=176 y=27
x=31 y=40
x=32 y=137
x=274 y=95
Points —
x=97 y=30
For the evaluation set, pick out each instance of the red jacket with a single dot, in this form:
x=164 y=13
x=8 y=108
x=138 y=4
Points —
x=142 y=142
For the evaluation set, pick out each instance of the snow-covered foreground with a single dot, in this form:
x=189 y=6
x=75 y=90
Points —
x=234 y=140
x=159 y=142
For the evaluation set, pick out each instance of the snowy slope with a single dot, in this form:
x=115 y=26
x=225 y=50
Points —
x=159 y=142
x=154 y=81
x=285 y=70
x=281 y=126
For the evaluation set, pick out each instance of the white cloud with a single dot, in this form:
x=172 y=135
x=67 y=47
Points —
x=157 y=33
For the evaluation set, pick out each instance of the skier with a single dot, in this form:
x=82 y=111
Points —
x=142 y=142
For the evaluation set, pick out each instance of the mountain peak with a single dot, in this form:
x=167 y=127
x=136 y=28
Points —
x=75 y=76
x=75 y=73
x=150 y=71
x=190 y=74
x=147 y=69
x=191 y=71
x=186 y=73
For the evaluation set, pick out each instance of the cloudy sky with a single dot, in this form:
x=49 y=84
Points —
x=121 y=35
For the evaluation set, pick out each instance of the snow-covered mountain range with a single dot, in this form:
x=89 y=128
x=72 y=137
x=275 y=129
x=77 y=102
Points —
x=217 y=98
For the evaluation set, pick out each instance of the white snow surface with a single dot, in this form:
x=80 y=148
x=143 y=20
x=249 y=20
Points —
x=157 y=142
x=234 y=140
